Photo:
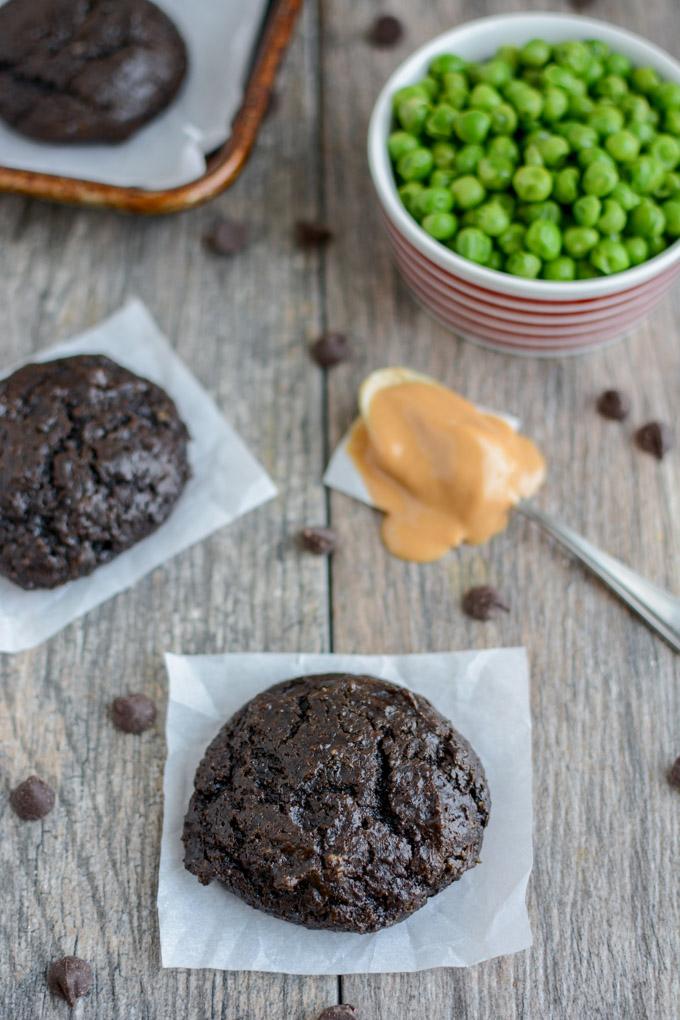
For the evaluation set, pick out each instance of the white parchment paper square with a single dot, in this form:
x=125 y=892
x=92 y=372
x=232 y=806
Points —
x=169 y=151
x=226 y=481
x=486 y=696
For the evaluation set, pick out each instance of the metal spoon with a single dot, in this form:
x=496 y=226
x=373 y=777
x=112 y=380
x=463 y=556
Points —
x=657 y=607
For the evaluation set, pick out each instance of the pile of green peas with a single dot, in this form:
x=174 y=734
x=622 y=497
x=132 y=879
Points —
x=553 y=161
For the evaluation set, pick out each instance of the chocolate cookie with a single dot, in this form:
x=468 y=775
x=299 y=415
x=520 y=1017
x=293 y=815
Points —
x=86 y=70
x=92 y=459
x=339 y=802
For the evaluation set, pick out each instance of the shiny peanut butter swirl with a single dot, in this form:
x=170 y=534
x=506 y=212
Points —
x=442 y=471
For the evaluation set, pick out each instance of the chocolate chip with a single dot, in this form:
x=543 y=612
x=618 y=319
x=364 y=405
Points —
x=674 y=773
x=331 y=349
x=386 y=30
x=339 y=1013
x=613 y=404
x=309 y=234
x=483 y=603
x=654 y=438
x=32 y=799
x=133 y=713
x=321 y=541
x=226 y=237
x=71 y=978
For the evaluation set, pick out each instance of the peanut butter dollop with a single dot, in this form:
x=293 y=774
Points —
x=441 y=470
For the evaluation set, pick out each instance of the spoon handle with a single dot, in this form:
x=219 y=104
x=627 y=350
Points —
x=657 y=607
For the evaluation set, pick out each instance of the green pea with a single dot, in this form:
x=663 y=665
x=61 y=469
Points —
x=468 y=192
x=473 y=126
x=554 y=150
x=535 y=53
x=645 y=80
x=409 y=194
x=532 y=156
x=605 y=120
x=509 y=55
x=495 y=260
x=636 y=109
x=506 y=201
x=532 y=183
x=617 y=64
x=468 y=157
x=613 y=218
x=440 y=225
x=671 y=122
x=580 y=136
x=671 y=211
x=648 y=219
x=409 y=92
x=415 y=165
x=445 y=63
x=441 y=121
x=555 y=103
x=442 y=178
x=484 y=97
x=670 y=186
x=495 y=172
x=443 y=155
x=455 y=91
x=575 y=56
x=544 y=239
x=563 y=79
x=587 y=210
x=430 y=86
x=612 y=86
x=472 y=244
x=400 y=142
x=562 y=269
x=504 y=147
x=600 y=178
x=412 y=114
x=645 y=174
x=433 y=199
x=527 y=101
x=523 y=263
x=643 y=131
x=623 y=146
x=666 y=150
x=586 y=271
x=588 y=156
x=492 y=219
x=666 y=96
x=610 y=257
x=625 y=196
x=512 y=239
x=595 y=71
x=496 y=72
x=503 y=120
x=657 y=245
x=580 y=240
x=580 y=106
x=531 y=211
x=599 y=49
x=638 y=250
x=454 y=80
x=566 y=186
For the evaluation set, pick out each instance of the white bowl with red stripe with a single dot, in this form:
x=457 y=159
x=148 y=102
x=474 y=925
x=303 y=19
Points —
x=509 y=313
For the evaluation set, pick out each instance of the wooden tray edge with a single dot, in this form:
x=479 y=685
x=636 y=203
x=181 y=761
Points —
x=223 y=167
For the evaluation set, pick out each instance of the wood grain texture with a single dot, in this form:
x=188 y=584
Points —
x=604 y=896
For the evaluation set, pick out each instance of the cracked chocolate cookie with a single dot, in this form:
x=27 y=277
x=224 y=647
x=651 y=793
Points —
x=92 y=459
x=86 y=70
x=337 y=801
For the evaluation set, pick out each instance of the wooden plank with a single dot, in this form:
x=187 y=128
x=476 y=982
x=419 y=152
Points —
x=85 y=880
x=603 y=897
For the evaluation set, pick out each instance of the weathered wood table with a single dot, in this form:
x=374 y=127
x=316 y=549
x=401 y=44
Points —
x=604 y=897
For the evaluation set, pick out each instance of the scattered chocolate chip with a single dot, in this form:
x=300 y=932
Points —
x=483 y=603
x=613 y=404
x=226 y=237
x=71 y=978
x=309 y=234
x=321 y=541
x=386 y=30
x=339 y=1013
x=674 y=773
x=654 y=438
x=133 y=713
x=331 y=349
x=32 y=799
